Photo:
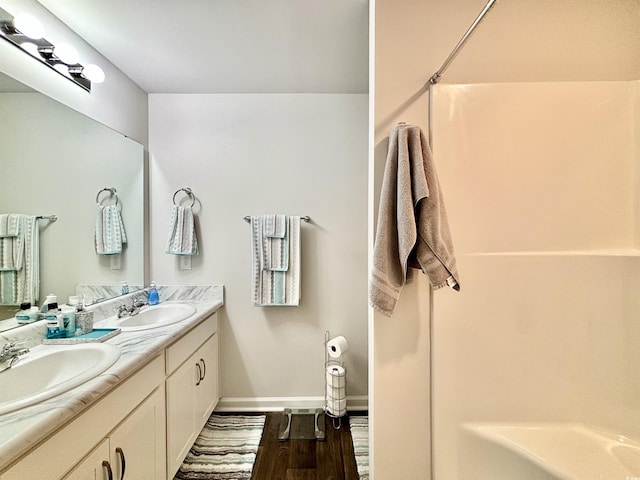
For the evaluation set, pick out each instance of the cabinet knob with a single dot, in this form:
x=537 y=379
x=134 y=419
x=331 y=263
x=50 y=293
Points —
x=199 y=373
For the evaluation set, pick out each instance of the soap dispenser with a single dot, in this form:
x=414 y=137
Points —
x=153 y=298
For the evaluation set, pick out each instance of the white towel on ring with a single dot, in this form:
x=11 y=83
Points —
x=182 y=233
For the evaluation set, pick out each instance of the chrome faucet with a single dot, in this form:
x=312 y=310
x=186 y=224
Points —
x=125 y=310
x=10 y=353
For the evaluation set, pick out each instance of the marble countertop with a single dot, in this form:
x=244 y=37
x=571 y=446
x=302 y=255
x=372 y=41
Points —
x=23 y=429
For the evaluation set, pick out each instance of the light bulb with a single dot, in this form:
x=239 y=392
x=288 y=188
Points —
x=28 y=25
x=66 y=53
x=94 y=73
x=63 y=69
x=32 y=48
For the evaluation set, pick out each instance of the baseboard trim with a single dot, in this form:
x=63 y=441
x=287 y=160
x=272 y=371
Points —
x=274 y=404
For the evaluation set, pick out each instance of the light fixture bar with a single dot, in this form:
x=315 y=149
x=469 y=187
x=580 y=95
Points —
x=44 y=51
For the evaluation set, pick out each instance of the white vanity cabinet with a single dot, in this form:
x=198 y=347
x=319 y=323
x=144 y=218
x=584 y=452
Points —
x=131 y=418
x=134 y=450
x=144 y=427
x=192 y=389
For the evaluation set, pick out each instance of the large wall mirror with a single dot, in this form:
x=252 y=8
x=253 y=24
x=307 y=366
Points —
x=55 y=161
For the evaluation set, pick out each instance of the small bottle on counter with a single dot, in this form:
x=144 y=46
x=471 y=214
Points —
x=53 y=326
x=153 y=298
x=69 y=320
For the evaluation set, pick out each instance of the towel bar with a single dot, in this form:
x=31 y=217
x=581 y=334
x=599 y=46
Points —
x=51 y=218
x=306 y=218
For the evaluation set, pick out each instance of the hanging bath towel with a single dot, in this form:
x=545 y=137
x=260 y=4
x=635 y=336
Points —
x=275 y=260
x=110 y=234
x=412 y=229
x=182 y=233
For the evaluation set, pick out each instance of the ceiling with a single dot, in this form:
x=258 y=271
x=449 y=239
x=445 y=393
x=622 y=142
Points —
x=228 y=46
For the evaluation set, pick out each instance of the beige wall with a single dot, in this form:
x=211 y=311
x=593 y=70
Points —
x=520 y=41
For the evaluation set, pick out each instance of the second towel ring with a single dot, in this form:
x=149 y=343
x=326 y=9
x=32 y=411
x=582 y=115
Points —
x=112 y=193
x=188 y=191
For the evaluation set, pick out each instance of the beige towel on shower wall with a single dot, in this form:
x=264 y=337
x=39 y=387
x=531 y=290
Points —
x=412 y=229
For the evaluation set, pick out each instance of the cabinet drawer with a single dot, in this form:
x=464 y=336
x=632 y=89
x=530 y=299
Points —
x=180 y=351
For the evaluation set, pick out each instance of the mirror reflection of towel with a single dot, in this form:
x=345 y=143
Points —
x=20 y=280
x=110 y=234
x=11 y=241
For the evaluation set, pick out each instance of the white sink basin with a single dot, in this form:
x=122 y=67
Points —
x=157 y=316
x=49 y=370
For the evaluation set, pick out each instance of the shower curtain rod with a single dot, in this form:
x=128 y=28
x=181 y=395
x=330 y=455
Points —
x=435 y=78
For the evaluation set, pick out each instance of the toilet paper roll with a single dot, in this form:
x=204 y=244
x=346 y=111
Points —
x=335 y=393
x=337 y=408
x=338 y=346
x=336 y=376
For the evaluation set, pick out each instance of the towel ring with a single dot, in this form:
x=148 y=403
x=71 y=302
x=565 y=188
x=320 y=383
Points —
x=112 y=193
x=188 y=191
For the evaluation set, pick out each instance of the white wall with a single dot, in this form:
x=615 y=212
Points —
x=544 y=207
x=252 y=154
x=118 y=102
x=524 y=41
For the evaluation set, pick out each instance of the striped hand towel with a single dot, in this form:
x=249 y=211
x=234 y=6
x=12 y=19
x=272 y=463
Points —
x=275 y=236
x=272 y=287
x=110 y=234
x=182 y=234
x=23 y=284
x=11 y=241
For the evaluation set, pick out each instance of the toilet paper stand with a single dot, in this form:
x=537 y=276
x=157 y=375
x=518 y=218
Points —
x=335 y=403
x=335 y=396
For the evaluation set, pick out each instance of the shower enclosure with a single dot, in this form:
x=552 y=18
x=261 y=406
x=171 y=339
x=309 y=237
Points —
x=542 y=187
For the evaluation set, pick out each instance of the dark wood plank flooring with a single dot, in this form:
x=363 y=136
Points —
x=299 y=459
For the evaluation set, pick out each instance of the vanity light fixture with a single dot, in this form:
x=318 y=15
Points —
x=27 y=33
x=28 y=25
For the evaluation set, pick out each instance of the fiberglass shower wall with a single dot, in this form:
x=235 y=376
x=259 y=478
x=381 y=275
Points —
x=541 y=188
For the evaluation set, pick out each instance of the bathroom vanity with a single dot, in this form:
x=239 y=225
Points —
x=137 y=420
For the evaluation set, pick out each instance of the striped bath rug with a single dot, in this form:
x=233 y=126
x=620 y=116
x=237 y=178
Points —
x=225 y=449
x=359 y=426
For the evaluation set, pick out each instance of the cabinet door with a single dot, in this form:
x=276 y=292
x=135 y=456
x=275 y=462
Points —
x=207 y=392
x=181 y=412
x=137 y=445
x=91 y=468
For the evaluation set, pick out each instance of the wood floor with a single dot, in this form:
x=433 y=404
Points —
x=295 y=459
